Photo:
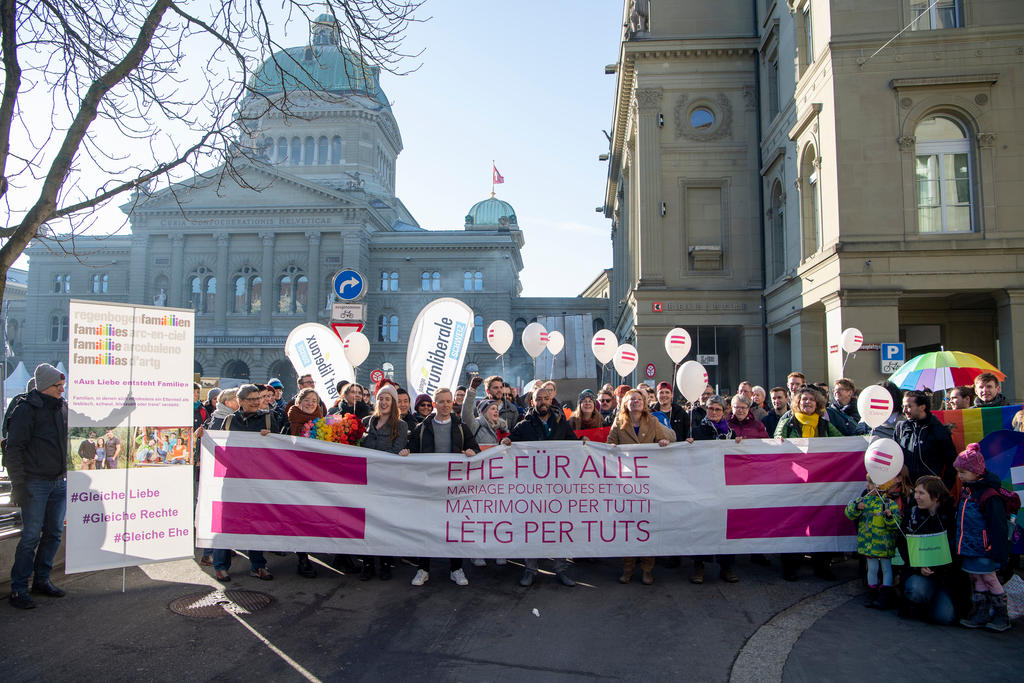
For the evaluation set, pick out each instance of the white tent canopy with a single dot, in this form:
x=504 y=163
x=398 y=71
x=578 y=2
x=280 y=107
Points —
x=16 y=381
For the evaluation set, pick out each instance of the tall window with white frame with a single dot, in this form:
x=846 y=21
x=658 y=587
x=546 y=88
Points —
x=943 y=169
x=292 y=290
x=100 y=281
x=389 y=281
x=387 y=328
x=202 y=290
x=473 y=281
x=248 y=291
x=929 y=15
x=810 y=202
x=778 y=231
x=773 y=86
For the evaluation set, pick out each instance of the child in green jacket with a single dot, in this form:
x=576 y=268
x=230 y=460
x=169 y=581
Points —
x=878 y=519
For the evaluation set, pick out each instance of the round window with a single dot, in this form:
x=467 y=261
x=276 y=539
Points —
x=702 y=118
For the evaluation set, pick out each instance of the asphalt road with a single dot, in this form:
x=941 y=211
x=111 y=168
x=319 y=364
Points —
x=335 y=627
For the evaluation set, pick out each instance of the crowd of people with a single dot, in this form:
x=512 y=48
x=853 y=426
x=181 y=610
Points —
x=938 y=491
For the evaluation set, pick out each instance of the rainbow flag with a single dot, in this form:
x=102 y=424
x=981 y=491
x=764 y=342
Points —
x=973 y=424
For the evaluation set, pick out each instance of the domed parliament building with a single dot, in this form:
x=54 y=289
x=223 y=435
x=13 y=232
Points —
x=254 y=251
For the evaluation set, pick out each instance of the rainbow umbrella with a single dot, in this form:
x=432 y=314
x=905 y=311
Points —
x=942 y=370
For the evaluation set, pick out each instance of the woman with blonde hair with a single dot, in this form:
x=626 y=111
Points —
x=635 y=425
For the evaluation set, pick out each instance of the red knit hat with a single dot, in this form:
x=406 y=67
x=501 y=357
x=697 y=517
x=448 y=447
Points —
x=971 y=460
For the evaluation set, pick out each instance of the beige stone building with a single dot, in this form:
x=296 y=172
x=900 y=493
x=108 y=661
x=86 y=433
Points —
x=784 y=176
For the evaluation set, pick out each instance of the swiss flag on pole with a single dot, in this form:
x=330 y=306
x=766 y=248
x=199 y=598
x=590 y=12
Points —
x=497 y=179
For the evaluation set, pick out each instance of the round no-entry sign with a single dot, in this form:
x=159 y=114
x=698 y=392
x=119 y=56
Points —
x=649 y=371
x=376 y=376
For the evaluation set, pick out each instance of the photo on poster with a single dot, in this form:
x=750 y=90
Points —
x=97 y=448
x=160 y=446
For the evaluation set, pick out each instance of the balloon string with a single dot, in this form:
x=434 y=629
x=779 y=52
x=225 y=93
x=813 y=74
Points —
x=879 y=494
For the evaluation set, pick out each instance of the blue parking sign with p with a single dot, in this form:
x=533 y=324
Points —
x=893 y=351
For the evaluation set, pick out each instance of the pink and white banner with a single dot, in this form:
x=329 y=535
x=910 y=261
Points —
x=541 y=499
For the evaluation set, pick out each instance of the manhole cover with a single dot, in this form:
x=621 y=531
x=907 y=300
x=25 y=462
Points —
x=219 y=603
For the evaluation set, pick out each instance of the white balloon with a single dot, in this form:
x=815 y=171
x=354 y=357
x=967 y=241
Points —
x=677 y=344
x=357 y=348
x=883 y=460
x=535 y=339
x=603 y=345
x=499 y=336
x=556 y=342
x=530 y=386
x=691 y=379
x=852 y=340
x=874 y=405
x=625 y=359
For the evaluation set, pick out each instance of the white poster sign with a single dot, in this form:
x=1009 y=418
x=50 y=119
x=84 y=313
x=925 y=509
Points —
x=315 y=350
x=541 y=499
x=130 y=451
x=437 y=346
x=129 y=360
x=123 y=518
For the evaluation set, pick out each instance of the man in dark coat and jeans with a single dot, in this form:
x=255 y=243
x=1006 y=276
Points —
x=542 y=423
x=36 y=460
x=927 y=444
x=441 y=432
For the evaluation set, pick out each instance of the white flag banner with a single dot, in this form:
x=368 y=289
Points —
x=437 y=346
x=538 y=499
x=315 y=350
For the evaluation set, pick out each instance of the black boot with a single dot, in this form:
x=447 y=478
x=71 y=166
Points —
x=872 y=597
x=1000 y=614
x=979 y=611
x=887 y=597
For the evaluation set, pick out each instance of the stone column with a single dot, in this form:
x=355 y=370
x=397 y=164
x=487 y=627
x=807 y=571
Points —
x=268 y=304
x=876 y=314
x=174 y=297
x=313 y=265
x=648 y=104
x=1010 y=313
x=807 y=345
x=220 y=309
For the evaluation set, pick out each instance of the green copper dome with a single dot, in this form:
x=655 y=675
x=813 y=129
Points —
x=319 y=67
x=491 y=212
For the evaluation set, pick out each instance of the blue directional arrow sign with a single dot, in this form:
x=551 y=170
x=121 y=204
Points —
x=349 y=285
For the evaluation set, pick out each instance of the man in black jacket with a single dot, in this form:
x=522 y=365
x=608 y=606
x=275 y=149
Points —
x=927 y=445
x=441 y=432
x=36 y=461
x=542 y=423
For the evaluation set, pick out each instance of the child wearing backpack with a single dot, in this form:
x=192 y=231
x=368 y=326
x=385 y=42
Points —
x=877 y=515
x=981 y=539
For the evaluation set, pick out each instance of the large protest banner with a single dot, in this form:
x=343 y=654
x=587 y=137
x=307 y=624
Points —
x=129 y=492
x=541 y=499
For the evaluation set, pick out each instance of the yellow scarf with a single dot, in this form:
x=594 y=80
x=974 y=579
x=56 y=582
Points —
x=809 y=424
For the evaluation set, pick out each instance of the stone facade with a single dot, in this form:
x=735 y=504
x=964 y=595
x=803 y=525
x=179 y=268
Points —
x=867 y=187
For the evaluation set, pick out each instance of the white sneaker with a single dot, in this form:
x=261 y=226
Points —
x=421 y=577
x=477 y=562
x=501 y=562
x=459 y=577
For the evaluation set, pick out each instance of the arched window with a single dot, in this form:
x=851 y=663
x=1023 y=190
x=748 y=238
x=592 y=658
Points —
x=292 y=289
x=197 y=367
x=810 y=202
x=778 y=231
x=202 y=290
x=236 y=369
x=431 y=282
x=336 y=149
x=943 y=168
x=248 y=291
x=478 y=328
x=295 y=155
x=519 y=326
x=321 y=150
x=211 y=294
x=389 y=281
x=467 y=281
x=62 y=284
x=598 y=324
x=282 y=150
x=308 y=151
x=387 y=328
x=478 y=281
x=55 y=328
